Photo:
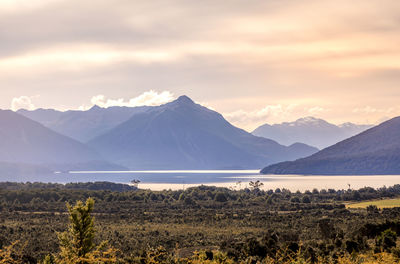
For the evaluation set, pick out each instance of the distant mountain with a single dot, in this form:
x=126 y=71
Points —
x=83 y=125
x=24 y=141
x=11 y=170
x=185 y=135
x=309 y=130
x=375 y=151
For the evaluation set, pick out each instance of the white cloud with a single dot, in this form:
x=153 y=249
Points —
x=150 y=98
x=24 y=102
x=372 y=110
x=83 y=108
x=79 y=57
x=270 y=113
x=21 y=5
x=316 y=110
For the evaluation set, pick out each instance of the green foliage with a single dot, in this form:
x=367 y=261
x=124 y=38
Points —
x=49 y=259
x=386 y=240
x=255 y=185
x=372 y=209
x=158 y=255
x=77 y=244
x=306 y=199
x=78 y=240
x=220 y=197
x=246 y=225
x=210 y=257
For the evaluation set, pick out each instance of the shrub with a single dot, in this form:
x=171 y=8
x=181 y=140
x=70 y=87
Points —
x=220 y=197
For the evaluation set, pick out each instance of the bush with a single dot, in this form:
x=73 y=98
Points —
x=220 y=197
x=306 y=199
x=386 y=240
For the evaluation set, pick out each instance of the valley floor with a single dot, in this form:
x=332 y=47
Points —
x=242 y=226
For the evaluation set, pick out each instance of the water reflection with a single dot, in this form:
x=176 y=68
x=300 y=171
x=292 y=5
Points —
x=159 y=180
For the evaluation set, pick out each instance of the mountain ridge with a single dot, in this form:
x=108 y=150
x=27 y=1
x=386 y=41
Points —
x=24 y=141
x=309 y=130
x=82 y=125
x=374 y=151
x=183 y=134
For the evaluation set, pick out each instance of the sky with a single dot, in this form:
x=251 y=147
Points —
x=258 y=61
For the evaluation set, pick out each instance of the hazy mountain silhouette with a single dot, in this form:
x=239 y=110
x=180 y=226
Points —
x=375 y=151
x=309 y=130
x=24 y=141
x=11 y=170
x=185 y=135
x=83 y=125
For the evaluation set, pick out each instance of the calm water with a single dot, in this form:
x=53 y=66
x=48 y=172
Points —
x=236 y=179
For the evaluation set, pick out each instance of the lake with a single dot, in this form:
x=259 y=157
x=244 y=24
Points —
x=235 y=179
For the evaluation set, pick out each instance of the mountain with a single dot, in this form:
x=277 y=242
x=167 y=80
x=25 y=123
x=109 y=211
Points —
x=24 y=141
x=309 y=130
x=11 y=170
x=353 y=129
x=375 y=151
x=185 y=135
x=83 y=125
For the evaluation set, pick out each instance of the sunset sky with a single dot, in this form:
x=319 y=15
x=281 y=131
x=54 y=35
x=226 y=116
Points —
x=258 y=61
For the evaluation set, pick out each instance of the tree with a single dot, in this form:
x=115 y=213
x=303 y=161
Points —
x=135 y=183
x=255 y=185
x=189 y=201
x=372 y=209
x=306 y=199
x=220 y=197
x=77 y=244
x=326 y=228
x=295 y=200
x=386 y=240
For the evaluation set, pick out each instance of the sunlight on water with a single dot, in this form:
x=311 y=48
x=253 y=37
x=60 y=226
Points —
x=173 y=171
x=291 y=182
x=233 y=179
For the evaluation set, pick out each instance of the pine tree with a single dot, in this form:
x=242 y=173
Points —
x=77 y=244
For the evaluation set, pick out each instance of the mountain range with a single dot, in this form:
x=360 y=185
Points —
x=177 y=135
x=83 y=125
x=309 y=130
x=25 y=143
x=185 y=135
x=374 y=151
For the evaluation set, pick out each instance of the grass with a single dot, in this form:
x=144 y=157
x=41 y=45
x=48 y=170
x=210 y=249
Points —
x=387 y=203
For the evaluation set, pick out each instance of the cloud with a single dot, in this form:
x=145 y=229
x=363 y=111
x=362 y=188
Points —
x=375 y=115
x=316 y=110
x=270 y=113
x=289 y=33
x=18 y=5
x=325 y=53
x=273 y=114
x=81 y=57
x=373 y=110
x=149 y=98
x=22 y=102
